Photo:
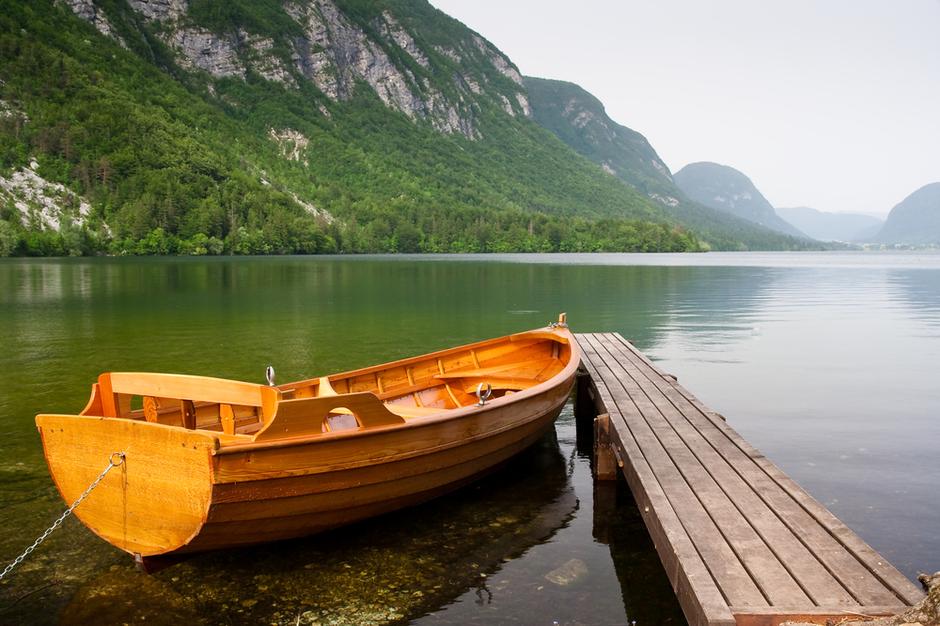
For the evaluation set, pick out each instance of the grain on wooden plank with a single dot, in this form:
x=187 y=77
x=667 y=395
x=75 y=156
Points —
x=182 y=386
x=188 y=409
x=873 y=562
x=775 y=616
x=372 y=484
x=173 y=463
x=764 y=567
x=814 y=578
x=529 y=369
x=731 y=576
x=701 y=600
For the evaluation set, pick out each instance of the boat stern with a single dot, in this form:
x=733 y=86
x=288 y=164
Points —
x=154 y=502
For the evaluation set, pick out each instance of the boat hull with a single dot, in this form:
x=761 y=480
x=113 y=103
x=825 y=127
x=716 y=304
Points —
x=183 y=496
x=253 y=507
x=188 y=489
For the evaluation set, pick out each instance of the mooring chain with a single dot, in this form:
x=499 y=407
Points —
x=112 y=463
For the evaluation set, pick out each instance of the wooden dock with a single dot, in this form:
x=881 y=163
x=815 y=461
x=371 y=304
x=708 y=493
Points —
x=741 y=542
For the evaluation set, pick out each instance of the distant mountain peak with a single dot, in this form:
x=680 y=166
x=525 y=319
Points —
x=726 y=189
x=580 y=120
x=915 y=220
x=826 y=226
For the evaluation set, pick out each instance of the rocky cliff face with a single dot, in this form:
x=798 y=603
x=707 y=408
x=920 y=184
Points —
x=88 y=11
x=240 y=121
x=42 y=205
x=340 y=52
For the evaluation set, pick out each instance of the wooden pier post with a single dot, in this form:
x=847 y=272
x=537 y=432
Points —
x=585 y=410
x=605 y=460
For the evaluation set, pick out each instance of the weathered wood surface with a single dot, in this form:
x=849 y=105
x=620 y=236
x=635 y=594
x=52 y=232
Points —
x=741 y=542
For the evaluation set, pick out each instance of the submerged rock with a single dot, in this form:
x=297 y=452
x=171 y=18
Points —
x=130 y=597
x=568 y=573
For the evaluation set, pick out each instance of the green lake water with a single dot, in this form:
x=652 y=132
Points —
x=829 y=363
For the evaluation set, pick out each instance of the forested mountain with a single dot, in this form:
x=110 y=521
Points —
x=580 y=120
x=150 y=126
x=726 y=189
x=916 y=220
x=824 y=226
x=201 y=126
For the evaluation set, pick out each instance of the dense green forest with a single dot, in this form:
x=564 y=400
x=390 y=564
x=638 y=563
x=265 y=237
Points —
x=174 y=161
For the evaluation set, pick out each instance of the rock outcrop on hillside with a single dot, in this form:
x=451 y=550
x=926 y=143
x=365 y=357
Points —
x=338 y=53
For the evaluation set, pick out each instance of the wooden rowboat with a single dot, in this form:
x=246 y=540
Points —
x=212 y=463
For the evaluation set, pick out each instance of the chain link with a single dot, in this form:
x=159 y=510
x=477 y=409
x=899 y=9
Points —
x=111 y=465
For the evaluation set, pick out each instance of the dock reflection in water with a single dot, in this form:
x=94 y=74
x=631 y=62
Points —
x=512 y=548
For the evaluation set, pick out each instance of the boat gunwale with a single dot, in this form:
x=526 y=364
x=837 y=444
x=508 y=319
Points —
x=545 y=332
x=560 y=334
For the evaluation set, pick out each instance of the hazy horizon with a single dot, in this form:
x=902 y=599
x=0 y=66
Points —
x=830 y=106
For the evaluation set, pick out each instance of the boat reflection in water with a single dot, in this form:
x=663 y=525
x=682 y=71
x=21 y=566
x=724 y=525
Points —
x=386 y=570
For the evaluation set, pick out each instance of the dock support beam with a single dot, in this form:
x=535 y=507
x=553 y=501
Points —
x=593 y=429
x=585 y=409
x=606 y=464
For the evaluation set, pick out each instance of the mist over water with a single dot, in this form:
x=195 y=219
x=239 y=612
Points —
x=826 y=362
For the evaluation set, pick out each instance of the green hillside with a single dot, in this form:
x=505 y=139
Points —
x=211 y=154
x=580 y=120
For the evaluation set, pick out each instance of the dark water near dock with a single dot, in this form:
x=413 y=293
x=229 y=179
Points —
x=828 y=363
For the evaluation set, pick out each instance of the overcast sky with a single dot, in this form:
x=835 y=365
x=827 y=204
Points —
x=832 y=104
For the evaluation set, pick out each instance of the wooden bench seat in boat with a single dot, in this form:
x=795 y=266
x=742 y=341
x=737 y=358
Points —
x=531 y=371
x=235 y=403
x=403 y=410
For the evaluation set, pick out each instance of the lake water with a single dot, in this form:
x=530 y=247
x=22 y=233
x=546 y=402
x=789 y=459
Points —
x=827 y=362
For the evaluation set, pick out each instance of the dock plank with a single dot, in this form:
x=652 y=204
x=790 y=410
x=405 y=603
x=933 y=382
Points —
x=737 y=536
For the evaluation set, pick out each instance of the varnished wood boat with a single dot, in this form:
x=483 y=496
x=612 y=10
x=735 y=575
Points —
x=212 y=463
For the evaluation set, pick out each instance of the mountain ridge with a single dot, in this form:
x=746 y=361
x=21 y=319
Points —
x=727 y=189
x=580 y=120
x=828 y=226
x=915 y=220
x=174 y=132
x=309 y=126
